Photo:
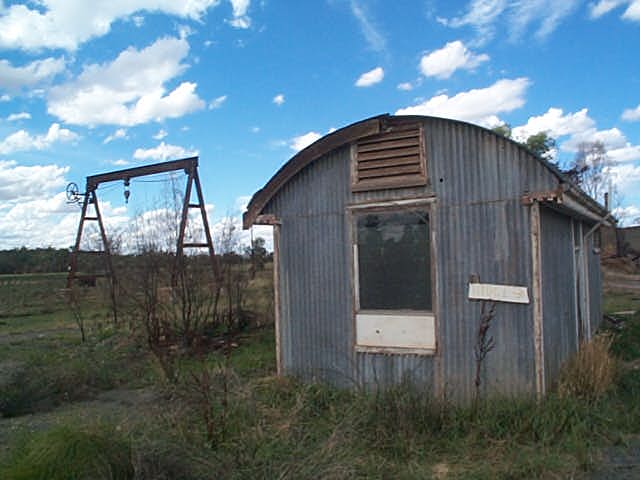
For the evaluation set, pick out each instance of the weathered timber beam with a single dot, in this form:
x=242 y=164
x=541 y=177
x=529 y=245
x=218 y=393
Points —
x=183 y=164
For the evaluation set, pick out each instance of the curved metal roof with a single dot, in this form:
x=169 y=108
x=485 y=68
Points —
x=372 y=126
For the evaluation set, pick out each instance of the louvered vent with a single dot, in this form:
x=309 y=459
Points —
x=389 y=160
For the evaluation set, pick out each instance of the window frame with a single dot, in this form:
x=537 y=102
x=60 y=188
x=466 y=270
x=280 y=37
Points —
x=355 y=211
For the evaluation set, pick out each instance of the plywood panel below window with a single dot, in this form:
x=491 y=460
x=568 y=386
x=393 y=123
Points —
x=410 y=330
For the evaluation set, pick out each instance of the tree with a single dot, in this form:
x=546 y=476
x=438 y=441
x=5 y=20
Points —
x=541 y=145
x=504 y=130
x=258 y=255
x=591 y=170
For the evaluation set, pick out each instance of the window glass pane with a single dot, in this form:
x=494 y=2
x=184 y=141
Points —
x=393 y=261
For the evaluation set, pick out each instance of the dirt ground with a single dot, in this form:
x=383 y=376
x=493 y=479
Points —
x=620 y=463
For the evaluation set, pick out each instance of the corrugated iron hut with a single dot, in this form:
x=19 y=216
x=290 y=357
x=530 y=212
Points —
x=388 y=233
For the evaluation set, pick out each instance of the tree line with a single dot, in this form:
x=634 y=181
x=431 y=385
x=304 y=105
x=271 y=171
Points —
x=33 y=260
x=56 y=260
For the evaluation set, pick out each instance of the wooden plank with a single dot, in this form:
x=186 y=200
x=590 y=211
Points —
x=391 y=135
x=389 y=162
x=276 y=298
x=390 y=153
x=498 y=293
x=395 y=350
x=389 y=171
x=386 y=144
x=538 y=333
x=389 y=182
x=266 y=219
x=186 y=163
x=395 y=330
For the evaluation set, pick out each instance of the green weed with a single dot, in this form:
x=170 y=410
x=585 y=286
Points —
x=66 y=453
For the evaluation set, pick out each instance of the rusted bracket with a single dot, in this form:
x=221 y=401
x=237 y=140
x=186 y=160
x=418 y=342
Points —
x=267 y=219
x=552 y=196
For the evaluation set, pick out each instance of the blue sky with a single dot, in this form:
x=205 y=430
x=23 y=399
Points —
x=87 y=87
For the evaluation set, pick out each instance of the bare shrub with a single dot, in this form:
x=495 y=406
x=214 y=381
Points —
x=591 y=372
x=208 y=389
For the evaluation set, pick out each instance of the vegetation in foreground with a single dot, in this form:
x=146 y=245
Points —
x=226 y=415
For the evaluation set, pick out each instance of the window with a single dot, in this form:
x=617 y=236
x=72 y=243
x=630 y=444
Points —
x=393 y=287
x=392 y=159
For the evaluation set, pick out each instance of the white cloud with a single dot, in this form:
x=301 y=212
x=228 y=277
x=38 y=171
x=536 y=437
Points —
x=632 y=12
x=69 y=23
x=481 y=15
x=48 y=220
x=242 y=202
x=120 y=162
x=443 y=62
x=628 y=215
x=628 y=153
x=15 y=78
x=303 y=141
x=24 y=141
x=611 y=138
x=240 y=18
x=217 y=102
x=164 y=151
x=254 y=129
x=405 y=86
x=596 y=10
x=278 y=99
x=45 y=220
x=626 y=178
x=631 y=114
x=242 y=238
x=376 y=41
x=162 y=133
x=19 y=182
x=579 y=127
x=119 y=133
x=484 y=15
x=555 y=123
x=130 y=90
x=479 y=106
x=548 y=13
x=18 y=116
x=4 y=98
x=370 y=78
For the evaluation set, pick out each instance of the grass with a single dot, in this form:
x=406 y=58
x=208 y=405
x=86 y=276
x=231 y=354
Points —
x=67 y=453
x=270 y=427
x=619 y=302
x=48 y=372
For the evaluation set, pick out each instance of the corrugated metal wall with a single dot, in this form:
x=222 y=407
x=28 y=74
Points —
x=315 y=273
x=481 y=228
x=558 y=291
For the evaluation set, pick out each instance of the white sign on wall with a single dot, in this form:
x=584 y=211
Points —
x=498 y=293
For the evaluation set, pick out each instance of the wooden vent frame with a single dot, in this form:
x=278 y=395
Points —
x=393 y=159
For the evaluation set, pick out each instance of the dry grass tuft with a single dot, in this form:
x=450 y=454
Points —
x=591 y=372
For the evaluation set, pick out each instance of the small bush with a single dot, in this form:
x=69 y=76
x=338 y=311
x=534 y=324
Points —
x=626 y=340
x=591 y=372
x=66 y=453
